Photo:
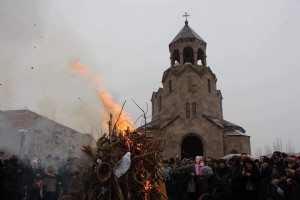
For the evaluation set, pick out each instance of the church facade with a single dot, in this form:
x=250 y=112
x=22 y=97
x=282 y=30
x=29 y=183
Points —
x=190 y=106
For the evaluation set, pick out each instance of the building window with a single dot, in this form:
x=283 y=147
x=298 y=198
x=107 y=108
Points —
x=159 y=103
x=187 y=110
x=208 y=84
x=194 y=110
x=170 y=86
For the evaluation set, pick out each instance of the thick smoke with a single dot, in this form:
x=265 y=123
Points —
x=36 y=48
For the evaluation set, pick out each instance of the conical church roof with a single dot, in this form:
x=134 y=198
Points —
x=187 y=33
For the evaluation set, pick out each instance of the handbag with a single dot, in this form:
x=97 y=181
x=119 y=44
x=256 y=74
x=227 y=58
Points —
x=250 y=186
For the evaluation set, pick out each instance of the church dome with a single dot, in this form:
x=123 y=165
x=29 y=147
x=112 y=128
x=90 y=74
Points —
x=187 y=33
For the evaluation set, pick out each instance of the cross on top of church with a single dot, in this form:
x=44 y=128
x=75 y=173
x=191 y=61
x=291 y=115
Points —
x=186 y=16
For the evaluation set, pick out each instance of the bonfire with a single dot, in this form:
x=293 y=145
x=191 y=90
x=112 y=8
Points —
x=123 y=166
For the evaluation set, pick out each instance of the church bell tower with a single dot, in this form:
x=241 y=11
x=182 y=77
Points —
x=187 y=47
x=190 y=105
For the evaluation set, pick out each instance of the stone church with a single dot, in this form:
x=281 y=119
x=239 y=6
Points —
x=190 y=106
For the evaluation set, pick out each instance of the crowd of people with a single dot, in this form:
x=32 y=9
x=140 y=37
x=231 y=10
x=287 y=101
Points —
x=276 y=177
x=31 y=179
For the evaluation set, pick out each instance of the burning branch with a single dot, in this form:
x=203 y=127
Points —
x=119 y=115
x=141 y=178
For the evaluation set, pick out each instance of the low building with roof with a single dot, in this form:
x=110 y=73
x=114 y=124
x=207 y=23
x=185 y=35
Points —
x=29 y=134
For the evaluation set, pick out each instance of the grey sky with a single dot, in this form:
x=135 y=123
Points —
x=252 y=47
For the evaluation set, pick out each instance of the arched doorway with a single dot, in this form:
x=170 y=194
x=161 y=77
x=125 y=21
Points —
x=191 y=146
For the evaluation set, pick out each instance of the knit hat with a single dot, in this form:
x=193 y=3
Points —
x=206 y=171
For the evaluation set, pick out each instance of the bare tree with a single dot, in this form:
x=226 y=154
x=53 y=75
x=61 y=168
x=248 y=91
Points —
x=277 y=145
x=268 y=150
x=290 y=148
x=258 y=152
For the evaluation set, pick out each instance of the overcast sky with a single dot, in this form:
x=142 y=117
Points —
x=252 y=47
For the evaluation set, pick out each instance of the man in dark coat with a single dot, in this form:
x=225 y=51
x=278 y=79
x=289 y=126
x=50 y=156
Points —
x=10 y=187
x=235 y=179
x=250 y=180
x=296 y=186
x=214 y=187
x=277 y=164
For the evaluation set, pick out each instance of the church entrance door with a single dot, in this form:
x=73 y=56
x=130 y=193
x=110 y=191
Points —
x=191 y=146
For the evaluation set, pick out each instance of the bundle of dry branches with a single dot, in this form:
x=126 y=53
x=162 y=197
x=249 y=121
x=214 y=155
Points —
x=140 y=181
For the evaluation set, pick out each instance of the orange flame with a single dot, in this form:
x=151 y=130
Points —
x=109 y=106
x=147 y=185
x=79 y=68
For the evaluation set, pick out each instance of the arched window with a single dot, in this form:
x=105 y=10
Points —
x=159 y=103
x=188 y=55
x=176 y=56
x=187 y=110
x=194 y=110
x=200 y=56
